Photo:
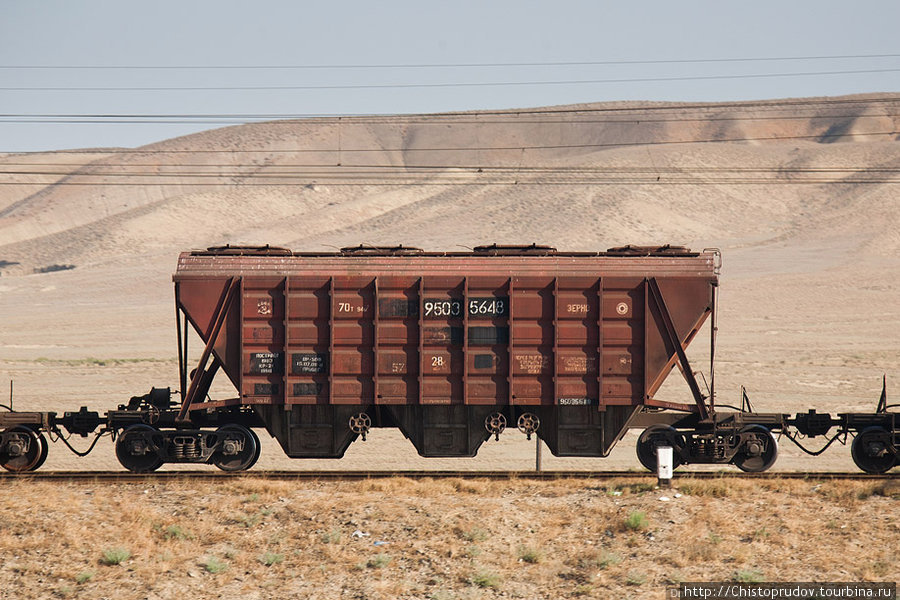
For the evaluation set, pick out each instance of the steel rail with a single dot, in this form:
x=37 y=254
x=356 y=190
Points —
x=165 y=476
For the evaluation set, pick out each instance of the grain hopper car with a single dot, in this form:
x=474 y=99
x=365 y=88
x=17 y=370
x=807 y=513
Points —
x=452 y=348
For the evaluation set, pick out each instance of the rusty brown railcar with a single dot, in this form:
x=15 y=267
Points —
x=449 y=347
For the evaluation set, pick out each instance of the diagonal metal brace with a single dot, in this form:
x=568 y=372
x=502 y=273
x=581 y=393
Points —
x=671 y=336
x=219 y=320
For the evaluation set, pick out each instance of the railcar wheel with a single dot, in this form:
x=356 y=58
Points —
x=871 y=450
x=654 y=437
x=27 y=452
x=138 y=448
x=238 y=448
x=758 y=451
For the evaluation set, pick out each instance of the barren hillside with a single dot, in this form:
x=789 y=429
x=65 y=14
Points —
x=579 y=177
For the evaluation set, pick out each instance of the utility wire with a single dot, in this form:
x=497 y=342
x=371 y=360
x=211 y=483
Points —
x=519 y=148
x=511 y=181
x=456 y=65
x=507 y=114
x=273 y=170
x=237 y=119
x=631 y=116
x=548 y=174
x=836 y=176
x=232 y=88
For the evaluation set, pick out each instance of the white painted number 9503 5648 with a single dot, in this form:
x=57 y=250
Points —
x=442 y=308
x=486 y=306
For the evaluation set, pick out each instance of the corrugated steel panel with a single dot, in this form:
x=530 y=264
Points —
x=432 y=329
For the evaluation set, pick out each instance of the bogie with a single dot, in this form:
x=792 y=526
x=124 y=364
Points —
x=142 y=448
x=751 y=448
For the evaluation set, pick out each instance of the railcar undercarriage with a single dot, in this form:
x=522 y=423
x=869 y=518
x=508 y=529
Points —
x=148 y=434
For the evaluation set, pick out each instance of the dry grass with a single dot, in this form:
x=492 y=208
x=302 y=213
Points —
x=450 y=539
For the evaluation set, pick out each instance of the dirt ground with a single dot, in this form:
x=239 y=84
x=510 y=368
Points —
x=438 y=539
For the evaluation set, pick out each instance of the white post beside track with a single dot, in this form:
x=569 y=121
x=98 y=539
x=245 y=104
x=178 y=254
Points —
x=664 y=465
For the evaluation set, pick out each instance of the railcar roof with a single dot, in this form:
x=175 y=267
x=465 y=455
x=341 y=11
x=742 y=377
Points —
x=486 y=250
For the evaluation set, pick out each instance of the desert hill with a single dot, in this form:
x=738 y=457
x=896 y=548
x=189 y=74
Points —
x=578 y=177
x=801 y=196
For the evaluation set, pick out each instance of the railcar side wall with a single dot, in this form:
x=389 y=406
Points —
x=531 y=331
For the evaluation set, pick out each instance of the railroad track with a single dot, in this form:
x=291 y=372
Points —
x=162 y=476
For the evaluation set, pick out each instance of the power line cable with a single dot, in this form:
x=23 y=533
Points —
x=519 y=148
x=249 y=118
x=268 y=88
x=298 y=182
x=508 y=113
x=447 y=171
x=459 y=65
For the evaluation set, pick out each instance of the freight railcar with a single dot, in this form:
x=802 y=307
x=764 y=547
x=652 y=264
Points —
x=449 y=347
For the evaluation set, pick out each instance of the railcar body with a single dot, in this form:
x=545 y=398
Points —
x=322 y=346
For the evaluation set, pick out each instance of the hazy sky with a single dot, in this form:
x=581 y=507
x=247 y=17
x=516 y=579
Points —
x=182 y=58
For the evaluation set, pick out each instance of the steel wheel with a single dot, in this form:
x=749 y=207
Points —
x=138 y=448
x=27 y=452
x=758 y=450
x=654 y=437
x=871 y=450
x=238 y=448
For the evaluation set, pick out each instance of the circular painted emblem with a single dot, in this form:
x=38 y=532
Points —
x=622 y=308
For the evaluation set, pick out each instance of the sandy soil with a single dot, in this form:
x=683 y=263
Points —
x=439 y=539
